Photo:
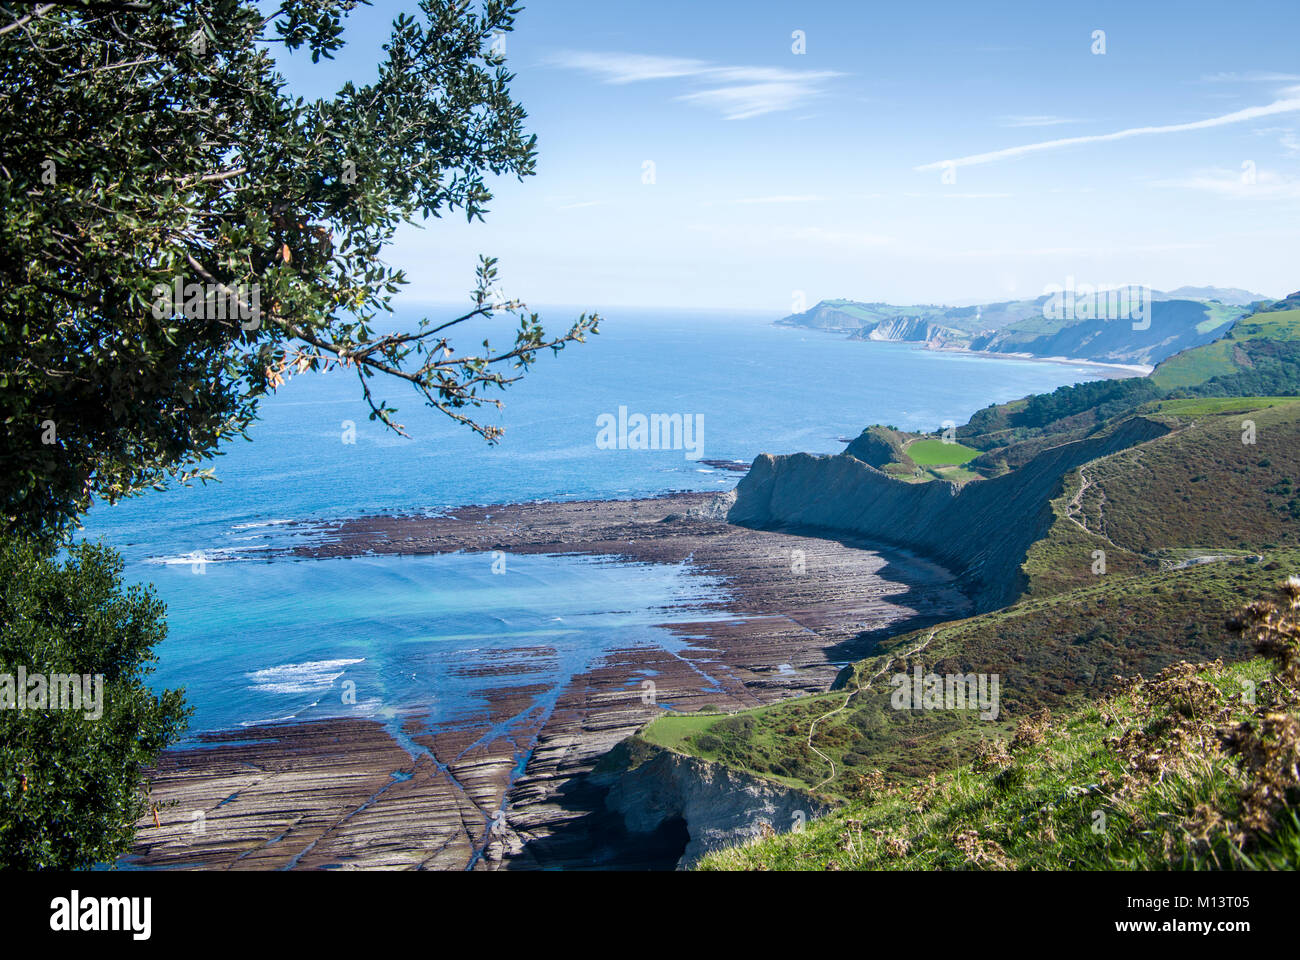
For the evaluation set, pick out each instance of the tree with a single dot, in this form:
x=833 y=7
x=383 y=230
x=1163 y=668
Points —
x=70 y=781
x=179 y=235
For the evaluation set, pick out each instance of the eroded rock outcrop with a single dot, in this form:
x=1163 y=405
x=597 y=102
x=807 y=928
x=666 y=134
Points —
x=719 y=806
x=981 y=531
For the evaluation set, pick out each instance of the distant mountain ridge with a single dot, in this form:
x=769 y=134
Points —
x=1231 y=295
x=1168 y=323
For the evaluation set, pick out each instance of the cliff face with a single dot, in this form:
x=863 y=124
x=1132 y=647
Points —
x=1018 y=326
x=913 y=330
x=721 y=807
x=981 y=531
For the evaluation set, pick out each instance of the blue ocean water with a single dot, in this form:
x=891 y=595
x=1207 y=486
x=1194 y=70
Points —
x=253 y=641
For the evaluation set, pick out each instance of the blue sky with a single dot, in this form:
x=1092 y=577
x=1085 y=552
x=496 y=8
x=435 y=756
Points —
x=819 y=174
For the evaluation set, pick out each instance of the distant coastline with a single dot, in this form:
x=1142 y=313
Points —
x=1113 y=371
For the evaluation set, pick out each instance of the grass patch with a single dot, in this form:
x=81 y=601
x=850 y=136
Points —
x=937 y=453
x=1209 y=406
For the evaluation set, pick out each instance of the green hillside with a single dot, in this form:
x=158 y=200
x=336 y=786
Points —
x=1142 y=555
x=1177 y=772
x=1231 y=522
x=1056 y=653
x=1198 y=365
x=1230 y=355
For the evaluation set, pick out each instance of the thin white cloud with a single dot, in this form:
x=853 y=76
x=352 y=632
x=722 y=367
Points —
x=629 y=67
x=1022 y=253
x=1252 y=77
x=1287 y=138
x=1290 y=103
x=1263 y=184
x=956 y=195
x=783 y=198
x=737 y=92
x=737 y=235
x=1045 y=120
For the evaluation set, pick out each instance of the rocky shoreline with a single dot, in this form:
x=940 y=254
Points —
x=509 y=787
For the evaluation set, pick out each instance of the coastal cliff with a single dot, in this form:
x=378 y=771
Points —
x=981 y=531
x=914 y=330
x=1167 y=326
x=720 y=807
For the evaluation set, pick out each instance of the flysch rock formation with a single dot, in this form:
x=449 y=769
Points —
x=508 y=787
x=980 y=531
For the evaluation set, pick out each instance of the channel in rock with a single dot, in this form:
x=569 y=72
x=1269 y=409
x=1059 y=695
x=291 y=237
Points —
x=509 y=786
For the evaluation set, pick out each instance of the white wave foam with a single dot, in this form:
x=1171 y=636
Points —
x=199 y=556
x=310 y=677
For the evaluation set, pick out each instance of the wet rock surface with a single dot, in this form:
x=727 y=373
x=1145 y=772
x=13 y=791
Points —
x=510 y=787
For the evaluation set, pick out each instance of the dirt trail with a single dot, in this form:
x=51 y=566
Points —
x=857 y=689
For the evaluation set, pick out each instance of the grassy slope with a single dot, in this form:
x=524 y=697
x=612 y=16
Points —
x=1061 y=646
x=1103 y=787
x=1224 y=356
x=1197 y=365
x=1074 y=630
x=1223 y=495
x=1048 y=652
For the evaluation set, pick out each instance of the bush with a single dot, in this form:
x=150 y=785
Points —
x=70 y=781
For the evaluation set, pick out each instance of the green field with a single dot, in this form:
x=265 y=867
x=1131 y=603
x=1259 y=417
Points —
x=673 y=729
x=1208 y=406
x=937 y=453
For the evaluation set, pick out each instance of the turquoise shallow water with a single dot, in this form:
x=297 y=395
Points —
x=257 y=641
x=381 y=636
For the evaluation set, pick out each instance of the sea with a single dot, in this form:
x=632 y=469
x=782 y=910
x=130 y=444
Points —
x=253 y=641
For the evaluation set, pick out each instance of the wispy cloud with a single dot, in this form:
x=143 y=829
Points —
x=737 y=92
x=955 y=195
x=783 y=198
x=1290 y=103
x=629 y=67
x=737 y=235
x=1109 y=250
x=1045 y=120
x=1251 y=77
x=1264 y=184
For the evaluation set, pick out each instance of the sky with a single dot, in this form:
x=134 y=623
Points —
x=690 y=156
